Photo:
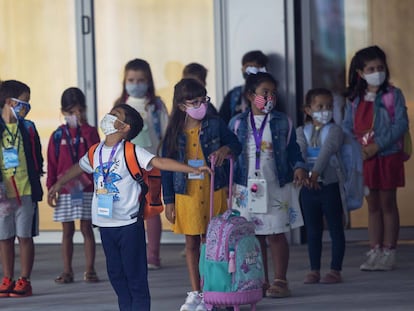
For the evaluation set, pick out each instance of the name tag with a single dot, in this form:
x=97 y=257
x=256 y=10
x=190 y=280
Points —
x=196 y=163
x=105 y=205
x=257 y=195
x=10 y=157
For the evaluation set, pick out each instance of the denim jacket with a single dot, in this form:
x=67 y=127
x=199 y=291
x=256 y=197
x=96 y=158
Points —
x=213 y=135
x=287 y=154
x=387 y=132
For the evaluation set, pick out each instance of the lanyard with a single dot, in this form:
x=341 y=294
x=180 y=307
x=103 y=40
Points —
x=13 y=138
x=74 y=153
x=105 y=175
x=258 y=137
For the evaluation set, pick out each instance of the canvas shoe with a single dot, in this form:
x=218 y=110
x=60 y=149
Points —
x=23 y=288
x=6 y=287
x=201 y=306
x=193 y=300
x=371 y=262
x=386 y=261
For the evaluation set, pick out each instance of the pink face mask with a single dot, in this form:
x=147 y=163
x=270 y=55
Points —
x=197 y=113
x=264 y=104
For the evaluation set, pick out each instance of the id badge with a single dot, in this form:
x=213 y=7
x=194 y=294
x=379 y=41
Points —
x=10 y=157
x=105 y=205
x=76 y=196
x=196 y=163
x=257 y=195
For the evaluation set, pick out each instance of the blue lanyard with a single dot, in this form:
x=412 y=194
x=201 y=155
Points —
x=258 y=137
x=74 y=153
x=105 y=175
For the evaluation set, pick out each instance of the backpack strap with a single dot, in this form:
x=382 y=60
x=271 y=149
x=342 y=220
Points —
x=290 y=129
x=57 y=138
x=91 y=152
x=388 y=101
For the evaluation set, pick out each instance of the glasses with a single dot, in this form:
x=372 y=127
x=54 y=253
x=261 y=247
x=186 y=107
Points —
x=197 y=102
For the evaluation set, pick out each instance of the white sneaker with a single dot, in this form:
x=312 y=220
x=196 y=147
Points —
x=201 y=306
x=386 y=261
x=192 y=302
x=371 y=262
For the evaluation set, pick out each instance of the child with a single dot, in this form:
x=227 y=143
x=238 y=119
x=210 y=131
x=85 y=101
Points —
x=138 y=91
x=116 y=202
x=320 y=139
x=66 y=146
x=21 y=169
x=271 y=159
x=370 y=119
x=234 y=102
x=193 y=137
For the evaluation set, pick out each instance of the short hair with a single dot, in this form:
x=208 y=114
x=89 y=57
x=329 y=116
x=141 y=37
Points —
x=255 y=56
x=312 y=93
x=196 y=71
x=71 y=97
x=12 y=89
x=133 y=119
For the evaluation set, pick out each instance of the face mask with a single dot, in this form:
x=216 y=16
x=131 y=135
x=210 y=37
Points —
x=71 y=120
x=264 y=104
x=323 y=116
x=197 y=113
x=253 y=70
x=137 y=90
x=375 y=78
x=21 y=109
x=107 y=124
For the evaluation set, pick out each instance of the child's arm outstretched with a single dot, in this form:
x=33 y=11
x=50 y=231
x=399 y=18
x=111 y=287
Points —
x=53 y=194
x=166 y=164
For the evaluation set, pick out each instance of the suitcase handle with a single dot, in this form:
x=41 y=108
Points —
x=229 y=200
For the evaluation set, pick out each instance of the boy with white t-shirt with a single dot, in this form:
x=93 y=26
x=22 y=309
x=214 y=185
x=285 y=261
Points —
x=116 y=202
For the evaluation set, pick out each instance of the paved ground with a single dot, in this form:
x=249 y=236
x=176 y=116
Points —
x=360 y=291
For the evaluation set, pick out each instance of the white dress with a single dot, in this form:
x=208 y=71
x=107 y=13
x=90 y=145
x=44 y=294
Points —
x=283 y=210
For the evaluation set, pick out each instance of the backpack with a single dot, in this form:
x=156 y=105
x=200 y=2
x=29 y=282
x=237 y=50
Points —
x=349 y=167
x=231 y=265
x=405 y=142
x=150 y=181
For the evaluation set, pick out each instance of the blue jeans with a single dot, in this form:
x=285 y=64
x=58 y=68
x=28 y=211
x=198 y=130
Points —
x=126 y=264
x=316 y=204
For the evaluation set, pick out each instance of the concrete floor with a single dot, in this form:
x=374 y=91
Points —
x=392 y=290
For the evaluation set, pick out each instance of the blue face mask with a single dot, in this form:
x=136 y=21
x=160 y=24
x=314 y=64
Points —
x=137 y=90
x=21 y=109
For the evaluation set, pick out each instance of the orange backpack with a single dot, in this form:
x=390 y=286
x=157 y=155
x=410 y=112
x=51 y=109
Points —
x=150 y=181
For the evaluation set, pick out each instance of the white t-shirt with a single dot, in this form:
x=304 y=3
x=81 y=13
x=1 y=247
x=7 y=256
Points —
x=119 y=183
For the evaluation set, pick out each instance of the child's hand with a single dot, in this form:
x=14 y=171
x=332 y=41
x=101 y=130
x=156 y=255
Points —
x=201 y=169
x=369 y=151
x=53 y=195
x=220 y=155
x=299 y=177
x=170 y=212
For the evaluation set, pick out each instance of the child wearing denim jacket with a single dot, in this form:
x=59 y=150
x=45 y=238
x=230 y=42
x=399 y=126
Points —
x=269 y=167
x=193 y=137
x=320 y=139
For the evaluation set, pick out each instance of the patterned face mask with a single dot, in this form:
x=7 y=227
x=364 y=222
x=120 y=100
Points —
x=21 y=109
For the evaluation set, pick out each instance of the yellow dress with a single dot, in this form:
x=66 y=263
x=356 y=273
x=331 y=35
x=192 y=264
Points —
x=192 y=210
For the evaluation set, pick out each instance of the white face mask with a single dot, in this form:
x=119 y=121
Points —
x=375 y=78
x=107 y=124
x=323 y=116
x=71 y=120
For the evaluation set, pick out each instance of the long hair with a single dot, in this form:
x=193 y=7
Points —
x=357 y=85
x=186 y=89
x=138 y=64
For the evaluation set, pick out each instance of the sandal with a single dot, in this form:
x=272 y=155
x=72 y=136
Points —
x=64 y=278
x=332 y=277
x=90 y=277
x=312 y=277
x=279 y=289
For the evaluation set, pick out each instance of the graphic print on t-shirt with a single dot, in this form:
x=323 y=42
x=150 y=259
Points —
x=105 y=183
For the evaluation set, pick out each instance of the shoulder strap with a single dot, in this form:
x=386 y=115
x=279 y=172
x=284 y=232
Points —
x=290 y=129
x=57 y=138
x=132 y=161
x=91 y=152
